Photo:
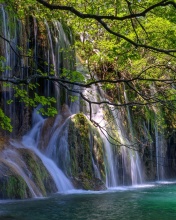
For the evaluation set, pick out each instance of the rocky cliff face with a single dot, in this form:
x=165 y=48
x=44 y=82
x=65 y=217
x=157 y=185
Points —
x=86 y=147
x=76 y=146
x=138 y=148
x=24 y=175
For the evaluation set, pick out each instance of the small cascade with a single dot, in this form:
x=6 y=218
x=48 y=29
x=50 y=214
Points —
x=160 y=145
x=111 y=173
x=31 y=141
x=10 y=59
x=57 y=148
x=131 y=165
x=159 y=140
x=99 y=117
x=108 y=150
x=136 y=168
x=96 y=170
x=13 y=159
x=62 y=182
x=58 y=58
x=95 y=166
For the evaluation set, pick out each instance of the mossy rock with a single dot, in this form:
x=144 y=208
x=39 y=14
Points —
x=85 y=145
x=82 y=182
x=12 y=185
x=23 y=175
x=38 y=173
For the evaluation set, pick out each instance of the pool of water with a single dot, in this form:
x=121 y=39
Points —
x=147 y=202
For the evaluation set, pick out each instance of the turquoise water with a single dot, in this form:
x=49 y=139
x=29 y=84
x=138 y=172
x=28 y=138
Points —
x=151 y=202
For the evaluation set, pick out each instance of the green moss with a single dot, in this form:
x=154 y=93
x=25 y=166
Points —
x=12 y=185
x=40 y=175
x=84 y=144
x=80 y=153
x=16 y=187
x=88 y=184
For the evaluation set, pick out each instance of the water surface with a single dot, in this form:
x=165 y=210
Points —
x=150 y=202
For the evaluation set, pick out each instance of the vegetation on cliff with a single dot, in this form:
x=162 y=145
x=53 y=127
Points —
x=128 y=45
x=86 y=148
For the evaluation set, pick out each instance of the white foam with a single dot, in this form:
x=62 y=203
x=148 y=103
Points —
x=166 y=182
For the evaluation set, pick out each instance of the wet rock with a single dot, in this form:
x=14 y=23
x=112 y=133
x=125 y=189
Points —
x=86 y=153
x=23 y=175
x=12 y=185
x=82 y=182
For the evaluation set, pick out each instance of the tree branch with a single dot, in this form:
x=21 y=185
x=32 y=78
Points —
x=109 y=17
x=130 y=16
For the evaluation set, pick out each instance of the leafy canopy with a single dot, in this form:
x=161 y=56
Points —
x=110 y=56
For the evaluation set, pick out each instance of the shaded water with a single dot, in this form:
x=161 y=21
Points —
x=152 y=202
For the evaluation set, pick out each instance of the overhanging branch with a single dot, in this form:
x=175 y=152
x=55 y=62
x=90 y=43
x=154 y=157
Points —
x=100 y=19
x=108 y=17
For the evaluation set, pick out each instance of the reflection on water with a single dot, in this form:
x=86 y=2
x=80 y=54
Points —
x=145 y=202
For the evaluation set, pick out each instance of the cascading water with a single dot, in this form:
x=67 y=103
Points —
x=58 y=57
x=136 y=169
x=159 y=140
x=56 y=41
x=10 y=61
x=160 y=145
x=50 y=144
x=57 y=148
x=98 y=117
x=13 y=159
x=31 y=141
x=129 y=170
x=111 y=172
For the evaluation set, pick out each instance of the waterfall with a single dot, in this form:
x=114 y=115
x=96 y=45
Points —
x=57 y=148
x=99 y=117
x=136 y=168
x=160 y=145
x=130 y=169
x=160 y=142
x=13 y=159
x=48 y=138
x=111 y=172
x=58 y=58
x=11 y=60
x=31 y=141
x=131 y=162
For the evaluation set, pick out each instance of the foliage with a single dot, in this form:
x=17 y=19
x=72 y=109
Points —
x=110 y=56
x=5 y=122
x=46 y=102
